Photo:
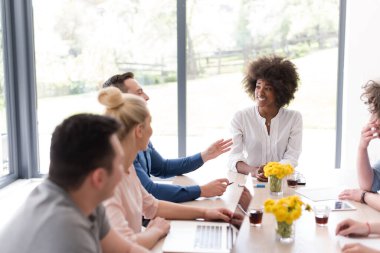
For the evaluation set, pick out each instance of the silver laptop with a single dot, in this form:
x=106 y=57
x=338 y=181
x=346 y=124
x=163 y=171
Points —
x=204 y=236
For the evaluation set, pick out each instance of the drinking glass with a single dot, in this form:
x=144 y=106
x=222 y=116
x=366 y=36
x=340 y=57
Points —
x=256 y=216
x=292 y=179
x=321 y=213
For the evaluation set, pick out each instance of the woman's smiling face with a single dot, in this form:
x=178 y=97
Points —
x=264 y=94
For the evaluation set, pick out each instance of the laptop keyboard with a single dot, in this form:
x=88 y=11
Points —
x=208 y=237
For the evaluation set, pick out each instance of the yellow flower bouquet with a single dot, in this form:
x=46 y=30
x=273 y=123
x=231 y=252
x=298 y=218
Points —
x=276 y=171
x=286 y=210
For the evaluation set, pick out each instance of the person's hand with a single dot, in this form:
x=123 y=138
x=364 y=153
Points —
x=237 y=219
x=369 y=132
x=259 y=174
x=216 y=149
x=160 y=225
x=218 y=214
x=351 y=194
x=357 y=248
x=352 y=227
x=214 y=188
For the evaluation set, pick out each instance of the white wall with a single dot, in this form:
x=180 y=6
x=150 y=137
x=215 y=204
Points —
x=362 y=63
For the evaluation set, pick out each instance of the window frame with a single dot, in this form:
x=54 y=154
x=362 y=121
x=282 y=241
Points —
x=20 y=90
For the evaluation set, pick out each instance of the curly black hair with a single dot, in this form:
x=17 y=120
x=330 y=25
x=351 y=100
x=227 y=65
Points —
x=278 y=72
x=371 y=97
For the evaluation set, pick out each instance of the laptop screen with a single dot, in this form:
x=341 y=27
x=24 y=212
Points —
x=241 y=208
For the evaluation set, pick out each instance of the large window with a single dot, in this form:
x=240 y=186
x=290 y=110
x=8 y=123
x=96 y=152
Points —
x=223 y=36
x=361 y=64
x=76 y=51
x=79 y=44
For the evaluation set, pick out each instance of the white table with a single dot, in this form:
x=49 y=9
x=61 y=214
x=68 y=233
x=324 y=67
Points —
x=308 y=236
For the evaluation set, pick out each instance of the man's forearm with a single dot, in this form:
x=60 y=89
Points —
x=372 y=200
x=364 y=169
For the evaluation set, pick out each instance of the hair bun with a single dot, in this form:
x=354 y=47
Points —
x=110 y=97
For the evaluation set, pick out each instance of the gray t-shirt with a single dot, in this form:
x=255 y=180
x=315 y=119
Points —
x=49 y=221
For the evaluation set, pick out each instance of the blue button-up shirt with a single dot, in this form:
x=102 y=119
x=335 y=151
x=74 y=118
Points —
x=150 y=162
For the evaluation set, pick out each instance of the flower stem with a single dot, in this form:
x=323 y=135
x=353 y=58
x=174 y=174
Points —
x=275 y=184
x=284 y=229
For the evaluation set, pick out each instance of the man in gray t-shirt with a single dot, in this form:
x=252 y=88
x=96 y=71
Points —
x=64 y=213
x=49 y=221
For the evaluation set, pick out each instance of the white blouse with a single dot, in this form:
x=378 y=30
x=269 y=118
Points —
x=253 y=145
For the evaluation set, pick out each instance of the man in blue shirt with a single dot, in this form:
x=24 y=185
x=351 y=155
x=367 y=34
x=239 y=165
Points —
x=150 y=162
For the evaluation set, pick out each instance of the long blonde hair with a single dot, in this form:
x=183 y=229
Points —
x=129 y=109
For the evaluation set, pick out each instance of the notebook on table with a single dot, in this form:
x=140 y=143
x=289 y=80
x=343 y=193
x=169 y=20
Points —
x=205 y=236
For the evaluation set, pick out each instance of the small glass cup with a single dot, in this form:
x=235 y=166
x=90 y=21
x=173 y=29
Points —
x=256 y=216
x=292 y=180
x=321 y=213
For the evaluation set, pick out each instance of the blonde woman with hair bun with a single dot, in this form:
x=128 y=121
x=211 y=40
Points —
x=131 y=111
x=131 y=200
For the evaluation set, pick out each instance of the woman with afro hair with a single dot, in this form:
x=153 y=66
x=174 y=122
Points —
x=267 y=132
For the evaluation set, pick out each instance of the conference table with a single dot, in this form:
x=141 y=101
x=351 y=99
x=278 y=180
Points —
x=308 y=236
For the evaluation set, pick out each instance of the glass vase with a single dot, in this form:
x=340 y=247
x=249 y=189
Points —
x=275 y=186
x=285 y=232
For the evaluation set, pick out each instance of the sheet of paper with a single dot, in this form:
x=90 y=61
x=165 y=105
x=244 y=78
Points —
x=319 y=194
